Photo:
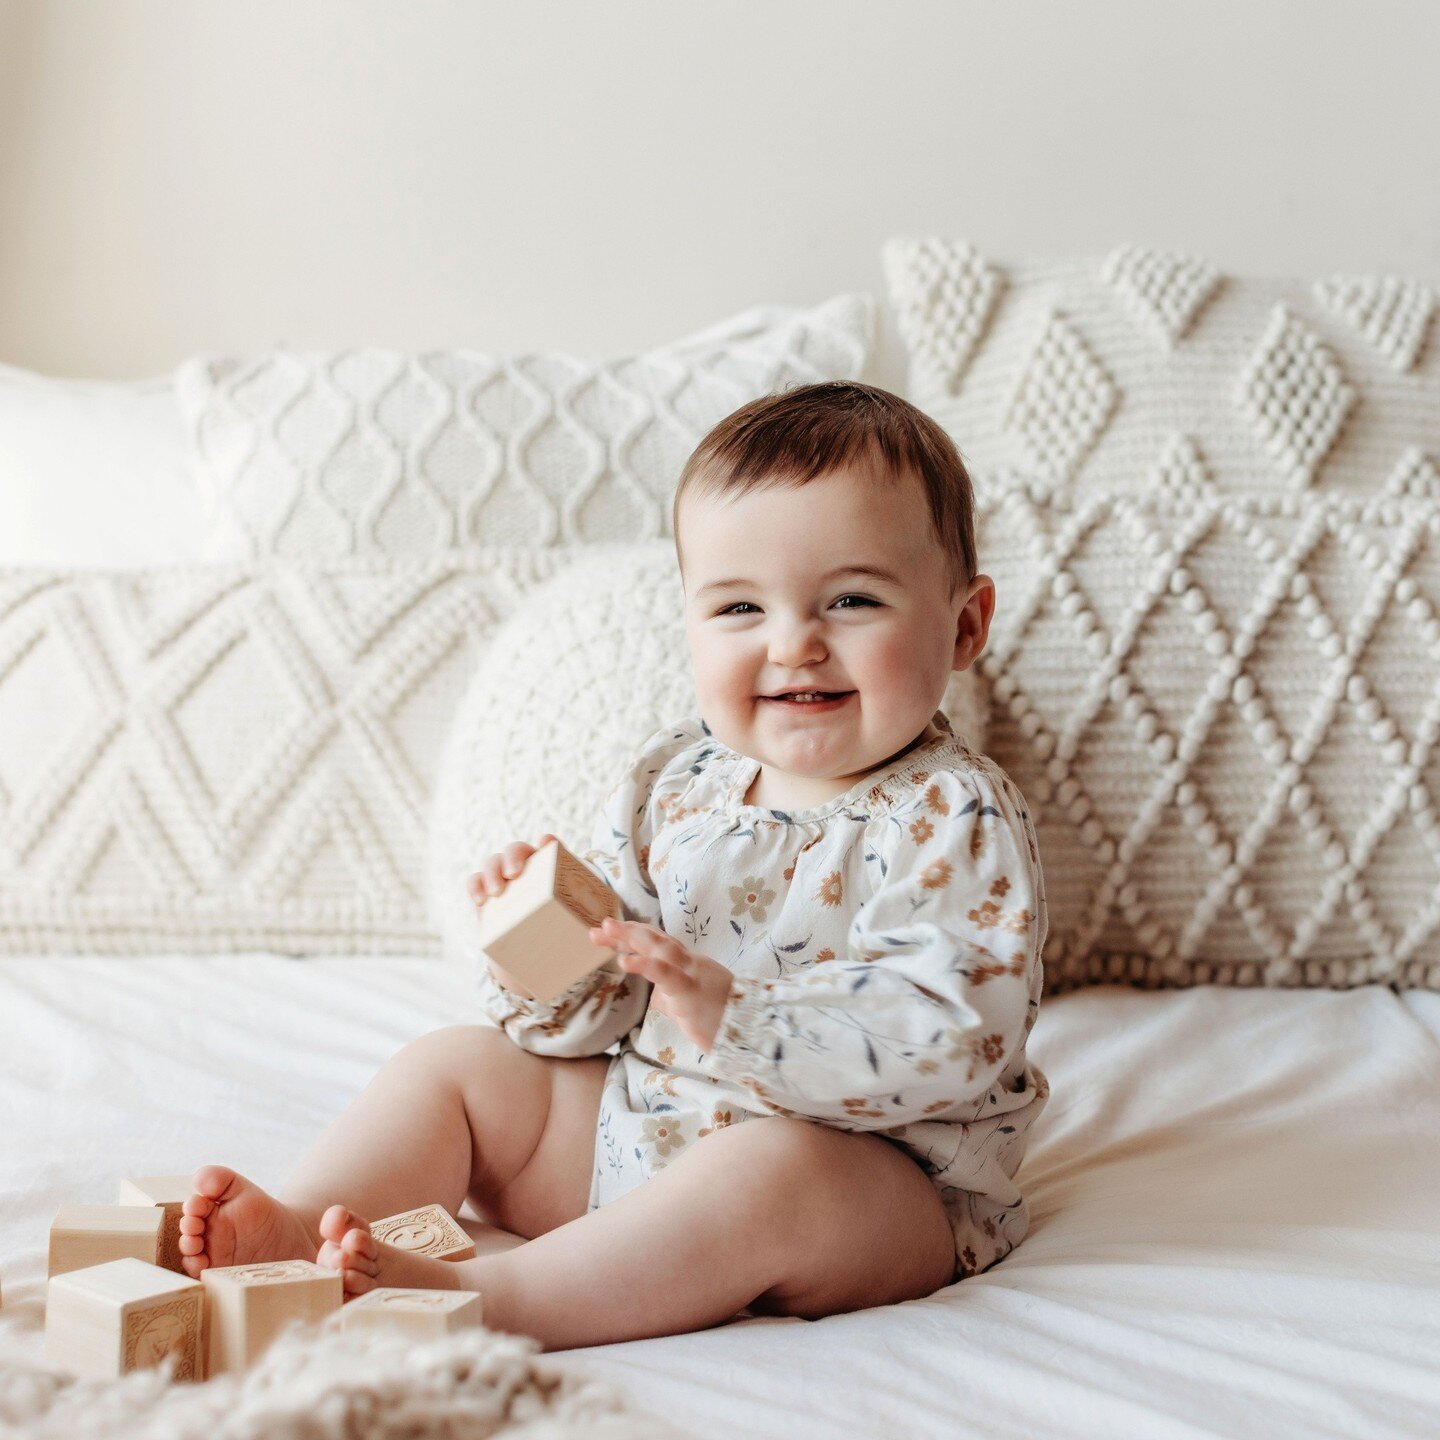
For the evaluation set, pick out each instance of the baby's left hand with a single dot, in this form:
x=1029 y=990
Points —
x=692 y=989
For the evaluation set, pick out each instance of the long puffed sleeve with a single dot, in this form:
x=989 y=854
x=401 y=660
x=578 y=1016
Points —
x=594 y=1013
x=934 y=1001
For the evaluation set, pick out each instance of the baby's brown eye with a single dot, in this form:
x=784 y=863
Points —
x=860 y=599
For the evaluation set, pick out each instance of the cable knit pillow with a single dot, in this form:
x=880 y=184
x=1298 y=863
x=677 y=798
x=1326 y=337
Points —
x=1223 y=713
x=592 y=665
x=234 y=757
x=1148 y=370
x=319 y=454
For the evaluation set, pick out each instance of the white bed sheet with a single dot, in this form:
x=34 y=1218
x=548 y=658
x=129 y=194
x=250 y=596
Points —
x=1236 y=1200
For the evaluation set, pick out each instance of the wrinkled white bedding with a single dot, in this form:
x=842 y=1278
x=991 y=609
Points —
x=1235 y=1199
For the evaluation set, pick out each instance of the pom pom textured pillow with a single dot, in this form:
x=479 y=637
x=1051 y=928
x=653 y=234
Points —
x=592 y=665
x=1223 y=713
x=1146 y=370
x=320 y=454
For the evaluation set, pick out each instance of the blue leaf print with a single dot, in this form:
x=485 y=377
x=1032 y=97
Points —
x=870 y=1054
x=780 y=815
x=735 y=927
x=862 y=982
x=791 y=949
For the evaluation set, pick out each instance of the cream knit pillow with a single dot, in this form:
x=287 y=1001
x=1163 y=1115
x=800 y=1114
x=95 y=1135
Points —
x=1147 y=370
x=234 y=757
x=593 y=663
x=322 y=454
x=1224 y=715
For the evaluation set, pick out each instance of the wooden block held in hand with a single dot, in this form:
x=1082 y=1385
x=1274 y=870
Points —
x=430 y=1230
x=84 y=1235
x=420 y=1314
x=248 y=1306
x=169 y=1194
x=125 y=1315
x=538 y=928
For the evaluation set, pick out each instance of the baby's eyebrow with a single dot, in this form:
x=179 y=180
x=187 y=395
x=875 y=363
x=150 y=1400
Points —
x=875 y=572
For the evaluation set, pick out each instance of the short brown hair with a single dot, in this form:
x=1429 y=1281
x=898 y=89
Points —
x=808 y=431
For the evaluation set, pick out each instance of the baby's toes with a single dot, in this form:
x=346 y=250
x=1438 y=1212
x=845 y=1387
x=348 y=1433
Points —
x=337 y=1221
x=361 y=1250
x=197 y=1207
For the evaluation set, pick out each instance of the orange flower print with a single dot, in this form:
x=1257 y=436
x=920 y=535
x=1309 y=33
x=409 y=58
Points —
x=921 y=830
x=967 y=1257
x=1001 y=885
x=992 y=1047
x=979 y=974
x=643 y=857
x=665 y=1080
x=936 y=875
x=936 y=801
x=855 y=1106
x=722 y=1118
x=987 y=916
x=750 y=894
x=826 y=954
x=831 y=890
x=661 y=1132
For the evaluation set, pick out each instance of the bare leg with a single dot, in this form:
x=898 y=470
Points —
x=452 y=1114
x=781 y=1216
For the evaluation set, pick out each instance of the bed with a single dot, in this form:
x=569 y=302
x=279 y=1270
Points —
x=1236 y=1199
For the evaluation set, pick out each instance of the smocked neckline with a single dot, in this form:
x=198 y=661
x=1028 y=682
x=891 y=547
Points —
x=741 y=770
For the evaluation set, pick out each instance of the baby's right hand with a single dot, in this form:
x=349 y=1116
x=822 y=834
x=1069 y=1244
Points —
x=491 y=878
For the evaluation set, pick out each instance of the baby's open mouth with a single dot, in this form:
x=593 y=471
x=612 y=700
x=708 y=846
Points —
x=812 y=698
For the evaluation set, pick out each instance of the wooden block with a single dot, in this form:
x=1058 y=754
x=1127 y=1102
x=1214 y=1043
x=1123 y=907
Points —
x=84 y=1235
x=169 y=1194
x=421 y=1314
x=538 y=928
x=125 y=1315
x=430 y=1230
x=248 y=1306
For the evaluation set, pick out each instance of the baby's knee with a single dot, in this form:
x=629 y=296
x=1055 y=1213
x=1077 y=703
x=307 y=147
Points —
x=779 y=1157
x=452 y=1052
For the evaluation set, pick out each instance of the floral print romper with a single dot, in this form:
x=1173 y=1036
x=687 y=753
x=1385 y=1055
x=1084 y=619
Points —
x=886 y=951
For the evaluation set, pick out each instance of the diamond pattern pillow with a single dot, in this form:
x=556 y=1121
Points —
x=1147 y=370
x=321 y=454
x=234 y=757
x=1223 y=712
x=593 y=664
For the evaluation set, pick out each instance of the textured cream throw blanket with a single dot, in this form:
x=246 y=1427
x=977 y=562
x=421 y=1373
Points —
x=329 y=1385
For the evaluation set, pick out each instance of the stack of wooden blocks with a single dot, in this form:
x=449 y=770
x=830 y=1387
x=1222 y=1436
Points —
x=120 y=1300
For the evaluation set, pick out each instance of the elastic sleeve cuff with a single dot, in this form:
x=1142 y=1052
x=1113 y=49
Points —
x=743 y=1027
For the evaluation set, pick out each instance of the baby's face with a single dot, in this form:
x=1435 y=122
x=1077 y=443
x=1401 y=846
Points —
x=883 y=643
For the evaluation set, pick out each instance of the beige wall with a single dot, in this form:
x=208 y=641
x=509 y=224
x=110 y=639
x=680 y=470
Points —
x=182 y=175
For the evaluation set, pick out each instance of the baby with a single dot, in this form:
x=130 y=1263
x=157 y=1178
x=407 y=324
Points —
x=833 y=917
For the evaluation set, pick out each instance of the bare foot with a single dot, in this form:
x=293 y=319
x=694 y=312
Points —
x=366 y=1263
x=230 y=1220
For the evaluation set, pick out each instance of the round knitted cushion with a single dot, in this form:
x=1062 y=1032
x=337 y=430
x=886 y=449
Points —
x=568 y=690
